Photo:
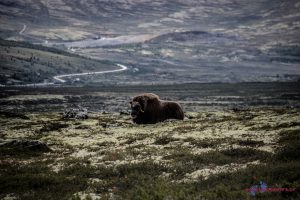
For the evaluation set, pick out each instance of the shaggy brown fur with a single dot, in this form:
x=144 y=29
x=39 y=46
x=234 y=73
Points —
x=147 y=108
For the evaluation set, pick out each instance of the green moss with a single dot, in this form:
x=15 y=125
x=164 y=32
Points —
x=246 y=154
x=159 y=189
x=6 y=153
x=250 y=143
x=52 y=126
x=38 y=181
x=277 y=126
x=125 y=177
x=186 y=162
x=134 y=138
x=163 y=140
x=205 y=143
x=290 y=145
x=233 y=185
x=114 y=155
x=184 y=128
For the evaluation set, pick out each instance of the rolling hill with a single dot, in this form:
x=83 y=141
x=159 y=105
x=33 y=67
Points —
x=167 y=41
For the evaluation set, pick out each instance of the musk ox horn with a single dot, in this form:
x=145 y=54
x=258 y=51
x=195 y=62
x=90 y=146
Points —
x=143 y=104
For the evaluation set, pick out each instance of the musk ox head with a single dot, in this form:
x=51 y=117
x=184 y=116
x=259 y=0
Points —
x=141 y=104
x=147 y=108
x=136 y=109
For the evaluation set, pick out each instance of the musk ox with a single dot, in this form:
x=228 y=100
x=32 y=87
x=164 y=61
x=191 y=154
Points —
x=147 y=108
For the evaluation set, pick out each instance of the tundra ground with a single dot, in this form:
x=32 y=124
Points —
x=209 y=155
x=234 y=137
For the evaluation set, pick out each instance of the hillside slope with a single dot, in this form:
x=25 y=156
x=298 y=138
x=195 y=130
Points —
x=23 y=63
x=168 y=41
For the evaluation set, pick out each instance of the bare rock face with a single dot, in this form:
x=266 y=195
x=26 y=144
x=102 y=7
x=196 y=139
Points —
x=76 y=113
x=30 y=145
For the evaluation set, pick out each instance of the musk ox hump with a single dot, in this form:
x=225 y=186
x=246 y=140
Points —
x=173 y=110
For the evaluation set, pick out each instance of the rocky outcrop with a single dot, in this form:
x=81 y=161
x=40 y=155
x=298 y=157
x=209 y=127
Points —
x=76 y=113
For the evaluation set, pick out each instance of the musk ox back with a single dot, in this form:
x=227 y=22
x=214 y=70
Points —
x=147 y=108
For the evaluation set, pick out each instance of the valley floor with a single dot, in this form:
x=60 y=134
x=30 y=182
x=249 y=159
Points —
x=235 y=140
x=209 y=155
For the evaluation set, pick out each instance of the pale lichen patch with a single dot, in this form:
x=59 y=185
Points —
x=206 y=172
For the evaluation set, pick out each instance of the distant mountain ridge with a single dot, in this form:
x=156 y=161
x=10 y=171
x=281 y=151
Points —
x=167 y=41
